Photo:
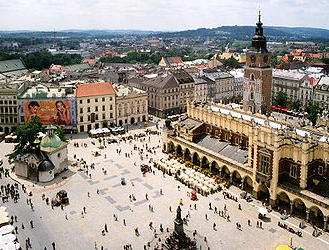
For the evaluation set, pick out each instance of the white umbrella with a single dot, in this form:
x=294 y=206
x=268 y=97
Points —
x=204 y=188
x=200 y=185
x=7 y=238
x=12 y=246
x=195 y=182
x=202 y=175
x=211 y=186
x=191 y=180
x=197 y=178
x=206 y=178
x=262 y=211
x=206 y=183
x=6 y=229
x=191 y=175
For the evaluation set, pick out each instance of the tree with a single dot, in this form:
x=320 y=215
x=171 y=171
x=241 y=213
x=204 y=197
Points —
x=26 y=134
x=313 y=110
x=232 y=63
x=280 y=99
x=296 y=105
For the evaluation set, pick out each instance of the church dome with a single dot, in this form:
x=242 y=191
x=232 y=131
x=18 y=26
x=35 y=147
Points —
x=45 y=166
x=50 y=141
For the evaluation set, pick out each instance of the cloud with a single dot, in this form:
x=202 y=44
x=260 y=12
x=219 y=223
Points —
x=158 y=15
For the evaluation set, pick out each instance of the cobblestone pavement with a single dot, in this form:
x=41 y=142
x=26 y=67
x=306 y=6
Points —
x=112 y=198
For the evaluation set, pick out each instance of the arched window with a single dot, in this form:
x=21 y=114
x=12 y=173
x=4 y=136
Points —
x=252 y=77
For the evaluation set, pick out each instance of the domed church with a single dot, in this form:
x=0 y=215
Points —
x=48 y=159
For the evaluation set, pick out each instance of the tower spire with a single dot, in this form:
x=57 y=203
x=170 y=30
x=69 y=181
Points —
x=259 y=15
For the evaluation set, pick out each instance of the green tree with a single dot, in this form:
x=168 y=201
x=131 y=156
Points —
x=296 y=105
x=312 y=112
x=26 y=134
x=231 y=63
x=280 y=99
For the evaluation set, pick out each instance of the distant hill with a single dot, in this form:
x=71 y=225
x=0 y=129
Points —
x=223 y=32
x=246 y=33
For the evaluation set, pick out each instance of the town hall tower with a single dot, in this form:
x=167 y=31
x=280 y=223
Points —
x=258 y=75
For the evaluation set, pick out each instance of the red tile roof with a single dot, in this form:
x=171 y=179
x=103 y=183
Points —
x=93 y=89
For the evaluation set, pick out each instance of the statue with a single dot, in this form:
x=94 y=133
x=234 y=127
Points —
x=179 y=213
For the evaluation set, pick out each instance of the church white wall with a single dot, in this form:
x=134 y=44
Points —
x=46 y=176
x=21 y=169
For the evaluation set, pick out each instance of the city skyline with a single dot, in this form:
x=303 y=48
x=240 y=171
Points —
x=158 y=16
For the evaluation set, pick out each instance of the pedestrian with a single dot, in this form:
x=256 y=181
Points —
x=23 y=226
x=66 y=217
x=214 y=226
x=31 y=223
x=146 y=197
x=105 y=228
x=257 y=224
x=16 y=229
x=239 y=207
x=84 y=210
x=261 y=224
x=178 y=187
x=124 y=222
x=170 y=208
x=210 y=206
x=195 y=206
x=82 y=216
x=249 y=223
x=15 y=218
x=215 y=210
x=88 y=194
x=206 y=216
x=95 y=245
x=53 y=244
x=161 y=191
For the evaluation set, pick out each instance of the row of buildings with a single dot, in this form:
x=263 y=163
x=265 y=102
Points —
x=77 y=107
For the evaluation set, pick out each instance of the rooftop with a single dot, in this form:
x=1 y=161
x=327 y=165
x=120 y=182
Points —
x=288 y=74
x=223 y=148
x=94 y=89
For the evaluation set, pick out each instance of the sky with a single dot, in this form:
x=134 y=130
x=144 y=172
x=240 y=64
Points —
x=158 y=15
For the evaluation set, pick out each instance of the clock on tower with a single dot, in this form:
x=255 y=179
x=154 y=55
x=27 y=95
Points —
x=258 y=75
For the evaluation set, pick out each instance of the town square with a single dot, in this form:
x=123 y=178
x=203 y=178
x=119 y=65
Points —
x=98 y=198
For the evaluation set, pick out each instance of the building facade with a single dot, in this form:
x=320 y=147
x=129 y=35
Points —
x=8 y=108
x=96 y=107
x=131 y=105
x=289 y=82
x=321 y=92
x=223 y=89
x=276 y=162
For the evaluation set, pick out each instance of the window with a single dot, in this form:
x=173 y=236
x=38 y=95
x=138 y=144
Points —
x=88 y=118
x=293 y=171
x=320 y=170
x=103 y=116
x=96 y=108
x=264 y=164
x=81 y=118
x=237 y=141
x=110 y=99
x=111 y=115
x=81 y=103
x=103 y=108
x=103 y=99
x=88 y=109
x=252 y=96
x=252 y=77
x=81 y=110
x=96 y=117
x=111 y=107
x=226 y=137
x=96 y=99
x=88 y=100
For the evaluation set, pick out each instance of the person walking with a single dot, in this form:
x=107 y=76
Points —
x=31 y=224
x=105 y=228
x=53 y=245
